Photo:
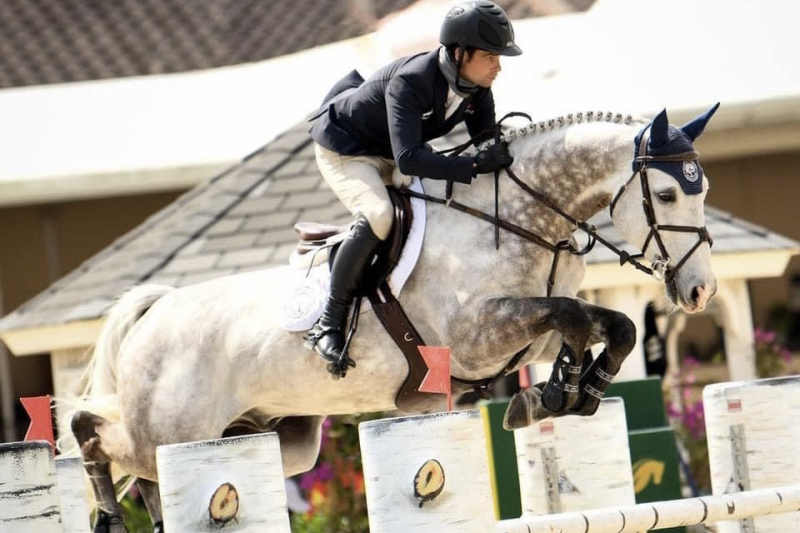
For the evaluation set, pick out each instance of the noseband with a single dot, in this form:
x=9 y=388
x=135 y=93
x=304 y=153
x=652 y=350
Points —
x=661 y=268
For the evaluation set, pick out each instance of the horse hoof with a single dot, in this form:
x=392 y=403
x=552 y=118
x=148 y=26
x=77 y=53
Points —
x=516 y=414
x=525 y=409
x=158 y=527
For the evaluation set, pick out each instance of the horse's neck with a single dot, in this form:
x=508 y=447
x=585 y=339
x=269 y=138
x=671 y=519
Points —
x=578 y=168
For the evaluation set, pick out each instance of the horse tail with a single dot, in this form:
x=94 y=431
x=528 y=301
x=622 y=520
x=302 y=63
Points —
x=102 y=370
x=100 y=377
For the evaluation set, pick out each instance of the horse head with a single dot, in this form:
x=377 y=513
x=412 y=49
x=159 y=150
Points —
x=663 y=212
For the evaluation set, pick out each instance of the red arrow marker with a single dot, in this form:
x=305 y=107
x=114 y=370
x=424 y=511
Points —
x=41 y=428
x=437 y=380
x=524 y=377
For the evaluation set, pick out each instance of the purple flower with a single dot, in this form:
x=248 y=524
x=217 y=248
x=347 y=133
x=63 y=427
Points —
x=672 y=410
x=325 y=472
x=322 y=472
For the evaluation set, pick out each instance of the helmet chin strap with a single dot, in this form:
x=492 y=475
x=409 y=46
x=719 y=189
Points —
x=459 y=60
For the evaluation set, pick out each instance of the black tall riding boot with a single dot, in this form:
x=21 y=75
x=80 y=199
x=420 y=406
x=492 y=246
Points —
x=327 y=336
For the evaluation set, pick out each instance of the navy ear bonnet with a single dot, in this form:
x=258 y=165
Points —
x=666 y=139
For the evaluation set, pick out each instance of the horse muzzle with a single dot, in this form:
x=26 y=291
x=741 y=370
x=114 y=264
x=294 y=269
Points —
x=692 y=297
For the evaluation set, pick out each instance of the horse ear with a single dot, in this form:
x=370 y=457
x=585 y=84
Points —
x=659 y=131
x=695 y=127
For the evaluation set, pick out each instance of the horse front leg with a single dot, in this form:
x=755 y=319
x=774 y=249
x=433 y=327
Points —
x=570 y=389
x=512 y=322
x=619 y=335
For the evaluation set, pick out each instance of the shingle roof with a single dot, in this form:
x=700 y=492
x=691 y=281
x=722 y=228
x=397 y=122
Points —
x=56 y=41
x=242 y=220
x=51 y=41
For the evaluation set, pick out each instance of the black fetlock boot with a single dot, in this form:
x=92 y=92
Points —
x=327 y=336
x=594 y=382
x=561 y=390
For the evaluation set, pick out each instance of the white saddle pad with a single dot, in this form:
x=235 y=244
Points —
x=301 y=303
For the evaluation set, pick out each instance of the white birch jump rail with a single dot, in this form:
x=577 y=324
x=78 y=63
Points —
x=753 y=443
x=72 y=489
x=235 y=484
x=39 y=494
x=561 y=470
x=427 y=473
x=430 y=472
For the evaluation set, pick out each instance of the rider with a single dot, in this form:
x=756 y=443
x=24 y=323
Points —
x=369 y=133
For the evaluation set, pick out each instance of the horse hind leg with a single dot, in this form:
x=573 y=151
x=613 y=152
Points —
x=152 y=501
x=96 y=461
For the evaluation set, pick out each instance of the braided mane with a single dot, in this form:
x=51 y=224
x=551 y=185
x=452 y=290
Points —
x=565 y=120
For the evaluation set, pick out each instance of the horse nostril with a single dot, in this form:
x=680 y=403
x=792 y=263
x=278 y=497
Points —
x=700 y=295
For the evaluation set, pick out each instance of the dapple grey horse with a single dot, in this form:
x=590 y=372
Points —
x=208 y=360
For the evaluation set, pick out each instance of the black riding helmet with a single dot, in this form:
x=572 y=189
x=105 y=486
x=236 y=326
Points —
x=479 y=24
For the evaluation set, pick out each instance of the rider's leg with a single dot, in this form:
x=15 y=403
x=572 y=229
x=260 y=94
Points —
x=360 y=183
x=327 y=336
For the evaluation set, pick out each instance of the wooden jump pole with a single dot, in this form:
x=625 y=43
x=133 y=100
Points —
x=662 y=515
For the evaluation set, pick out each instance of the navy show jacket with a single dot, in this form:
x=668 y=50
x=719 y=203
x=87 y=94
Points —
x=396 y=111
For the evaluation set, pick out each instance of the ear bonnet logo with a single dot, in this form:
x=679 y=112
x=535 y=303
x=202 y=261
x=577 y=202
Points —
x=690 y=171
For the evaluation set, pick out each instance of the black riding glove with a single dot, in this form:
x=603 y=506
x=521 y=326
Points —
x=493 y=158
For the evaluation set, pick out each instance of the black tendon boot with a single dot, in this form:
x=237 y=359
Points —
x=327 y=336
x=594 y=382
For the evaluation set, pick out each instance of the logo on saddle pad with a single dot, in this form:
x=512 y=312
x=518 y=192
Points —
x=304 y=301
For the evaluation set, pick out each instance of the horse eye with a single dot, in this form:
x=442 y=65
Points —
x=666 y=196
